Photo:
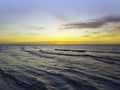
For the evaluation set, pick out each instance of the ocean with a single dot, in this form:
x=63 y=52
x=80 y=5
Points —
x=59 y=67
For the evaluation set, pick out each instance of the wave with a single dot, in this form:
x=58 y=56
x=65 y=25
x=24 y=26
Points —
x=87 y=51
x=70 y=50
x=106 y=59
x=31 y=85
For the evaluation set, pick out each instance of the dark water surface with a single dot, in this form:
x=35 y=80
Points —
x=60 y=67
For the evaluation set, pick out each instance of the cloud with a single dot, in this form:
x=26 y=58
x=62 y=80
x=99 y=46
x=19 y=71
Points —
x=34 y=27
x=38 y=28
x=104 y=33
x=86 y=36
x=83 y=25
x=113 y=19
x=96 y=23
x=111 y=33
x=118 y=28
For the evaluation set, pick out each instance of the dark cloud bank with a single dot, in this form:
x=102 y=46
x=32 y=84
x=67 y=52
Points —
x=96 y=23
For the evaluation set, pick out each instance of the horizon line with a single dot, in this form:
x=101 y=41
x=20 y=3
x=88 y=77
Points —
x=52 y=44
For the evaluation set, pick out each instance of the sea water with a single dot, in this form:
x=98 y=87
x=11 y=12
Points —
x=60 y=67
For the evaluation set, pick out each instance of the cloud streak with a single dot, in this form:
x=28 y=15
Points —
x=104 y=33
x=34 y=27
x=96 y=23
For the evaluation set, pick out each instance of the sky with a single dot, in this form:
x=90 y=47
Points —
x=59 y=22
